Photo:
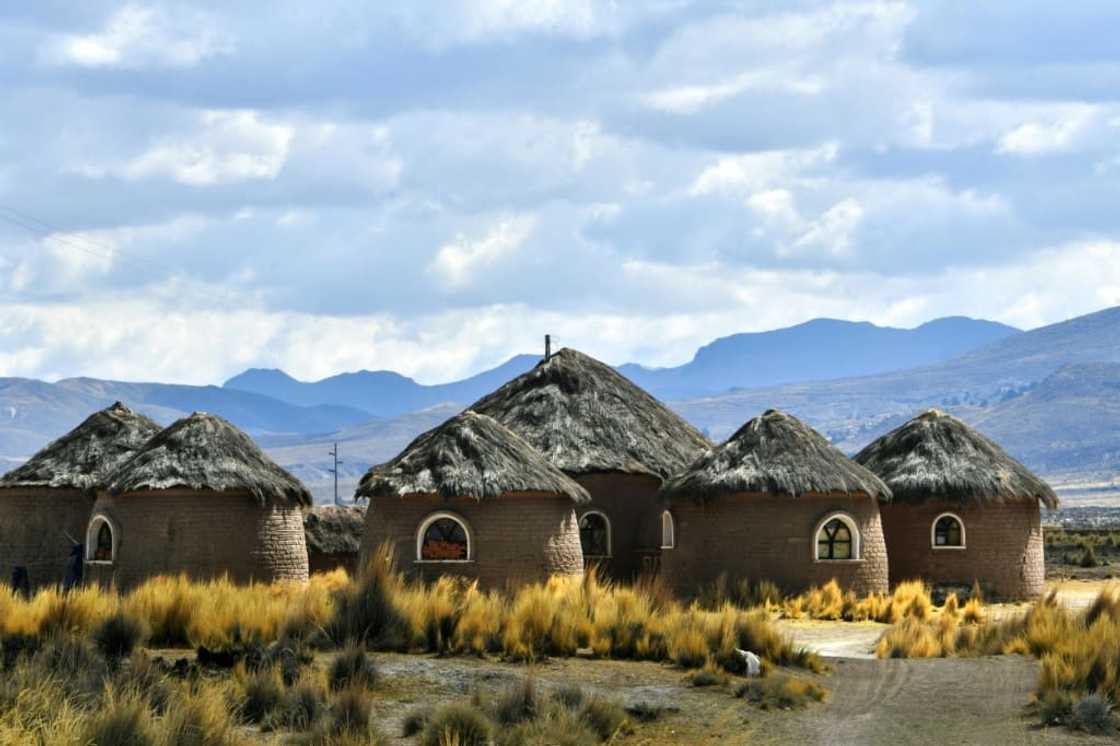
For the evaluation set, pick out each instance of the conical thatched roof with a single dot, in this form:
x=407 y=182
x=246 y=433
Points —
x=585 y=417
x=334 y=529
x=204 y=452
x=84 y=457
x=470 y=455
x=775 y=454
x=935 y=455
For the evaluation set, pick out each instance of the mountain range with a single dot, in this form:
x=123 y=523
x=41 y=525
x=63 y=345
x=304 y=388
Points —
x=1050 y=395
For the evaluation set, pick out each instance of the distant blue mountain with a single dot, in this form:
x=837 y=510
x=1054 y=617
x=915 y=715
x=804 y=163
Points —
x=380 y=392
x=817 y=350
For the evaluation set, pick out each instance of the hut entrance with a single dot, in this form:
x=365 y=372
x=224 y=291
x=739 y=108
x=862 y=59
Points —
x=595 y=535
x=100 y=541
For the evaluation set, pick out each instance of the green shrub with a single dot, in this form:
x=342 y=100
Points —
x=1055 y=707
x=604 y=717
x=1093 y=714
x=457 y=724
x=352 y=667
x=118 y=635
x=518 y=703
x=1088 y=556
x=569 y=696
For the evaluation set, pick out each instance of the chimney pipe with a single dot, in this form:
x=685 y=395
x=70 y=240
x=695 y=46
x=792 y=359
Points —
x=547 y=346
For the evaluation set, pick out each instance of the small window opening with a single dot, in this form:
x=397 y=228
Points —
x=595 y=535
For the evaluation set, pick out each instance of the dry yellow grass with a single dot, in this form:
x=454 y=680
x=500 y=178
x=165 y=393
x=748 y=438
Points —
x=910 y=600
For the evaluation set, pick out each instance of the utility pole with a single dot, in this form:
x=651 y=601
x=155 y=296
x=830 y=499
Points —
x=547 y=347
x=333 y=453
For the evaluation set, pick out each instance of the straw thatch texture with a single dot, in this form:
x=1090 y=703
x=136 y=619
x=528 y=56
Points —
x=334 y=529
x=204 y=452
x=83 y=458
x=936 y=456
x=470 y=455
x=585 y=418
x=775 y=454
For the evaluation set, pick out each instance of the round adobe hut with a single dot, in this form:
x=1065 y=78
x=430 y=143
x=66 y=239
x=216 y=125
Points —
x=775 y=502
x=471 y=498
x=963 y=510
x=609 y=435
x=202 y=499
x=334 y=537
x=45 y=503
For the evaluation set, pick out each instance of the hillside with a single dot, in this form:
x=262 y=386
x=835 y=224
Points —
x=817 y=350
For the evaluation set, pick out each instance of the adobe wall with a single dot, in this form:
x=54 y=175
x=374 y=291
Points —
x=514 y=539
x=630 y=502
x=318 y=562
x=1003 y=547
x=202 y=534
x=770 y=538
x=34 y=523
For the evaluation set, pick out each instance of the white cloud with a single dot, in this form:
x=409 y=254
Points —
x=1040 y=138
x=693 y=98
x=833 y=230
x=230 y=146
x=137 y=36
x=458 y=261
x=750 y=172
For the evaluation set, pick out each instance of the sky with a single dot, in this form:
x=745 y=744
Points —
x=188 y=190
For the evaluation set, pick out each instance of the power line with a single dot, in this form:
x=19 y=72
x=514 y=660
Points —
x=333 y=453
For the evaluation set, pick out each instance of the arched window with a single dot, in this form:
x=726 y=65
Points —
x=837 y=538
x=595 y=534
x=100 y=541
x=947 y=532
x=668 y=531
x=443 y=537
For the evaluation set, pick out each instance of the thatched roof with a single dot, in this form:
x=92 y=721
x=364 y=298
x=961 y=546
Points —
x=775 y=454
x=935 y=455
x=334 y=529
x=585 y=417
x=84 y=457
x=470 y=455
x=204 y=452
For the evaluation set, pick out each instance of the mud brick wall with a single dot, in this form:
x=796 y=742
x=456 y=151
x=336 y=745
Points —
x=1003 y=546
x=202 y=534
x=763 y=537
x=630 y=503
x=34 y=524
x=515 y=539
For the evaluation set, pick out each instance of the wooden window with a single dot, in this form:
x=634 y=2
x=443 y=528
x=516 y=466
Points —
x=948 y=532
x=668 y=531
x=443 y=538
x=595 y=534
x=837 y=539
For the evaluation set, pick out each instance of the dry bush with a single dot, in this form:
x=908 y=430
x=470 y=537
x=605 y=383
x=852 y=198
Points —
x=457 y=724
x=118 y=634
x=123 y=719
x=198 y=717
x=831 y=603
x=352 y=667
x=780 y=691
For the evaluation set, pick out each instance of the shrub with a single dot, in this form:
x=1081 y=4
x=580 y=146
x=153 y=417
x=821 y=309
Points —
x=261 y=692
x=518 y=703
x=198 y=718
x=122 y=719
x=1055 y=708
x=415 y=721
x=303 y=705
x=352 y=667
x=569 y=696
x=1093 y=714
x=118 y=635
x=781 y=692
x=456 y=724
x=365 y=610
x=350 y=712
x=709 y=675
x=1088 y=556
x=604 y=717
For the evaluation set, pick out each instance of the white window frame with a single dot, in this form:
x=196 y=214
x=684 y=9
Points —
x=853 y=529
x=428 y=521
x=92 y=530
x=933 y=532
x=610 y=533
x=672 y=526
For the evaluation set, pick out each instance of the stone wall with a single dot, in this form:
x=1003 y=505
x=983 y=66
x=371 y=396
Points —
x=630 y=503
x=515 y=539
x=1003 y=547
x=202 y=534
x=762 y=537
x=36 y=528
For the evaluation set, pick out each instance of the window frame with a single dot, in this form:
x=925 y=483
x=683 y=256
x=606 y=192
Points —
x=933 y=532
x=423 y=529
x=610 y=534
x=672 y=525
x=853 y=531
x=92 y=531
